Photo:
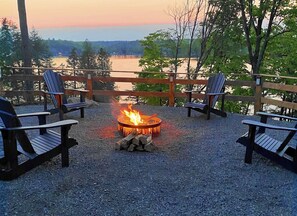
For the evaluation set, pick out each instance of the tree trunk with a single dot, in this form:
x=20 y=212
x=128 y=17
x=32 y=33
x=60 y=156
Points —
x=26 y=49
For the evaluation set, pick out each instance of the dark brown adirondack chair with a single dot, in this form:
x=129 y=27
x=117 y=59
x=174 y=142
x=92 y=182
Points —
x=214 y=89
x=56 y=90
x=257 y=139
x=20 y=154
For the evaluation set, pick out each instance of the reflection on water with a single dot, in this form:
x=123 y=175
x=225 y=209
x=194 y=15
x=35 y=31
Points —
x=121 y=65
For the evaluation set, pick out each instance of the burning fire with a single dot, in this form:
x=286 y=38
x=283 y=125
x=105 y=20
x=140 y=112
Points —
x=131 y=120
x=133 y=115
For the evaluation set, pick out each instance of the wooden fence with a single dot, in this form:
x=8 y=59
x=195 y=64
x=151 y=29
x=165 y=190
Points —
x=172 y=80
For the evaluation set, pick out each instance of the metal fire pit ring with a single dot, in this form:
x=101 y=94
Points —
x=152 y=126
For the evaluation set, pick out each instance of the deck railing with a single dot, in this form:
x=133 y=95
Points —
x=258 y=99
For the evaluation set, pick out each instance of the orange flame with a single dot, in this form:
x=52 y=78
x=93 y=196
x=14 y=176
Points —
x=133 y=115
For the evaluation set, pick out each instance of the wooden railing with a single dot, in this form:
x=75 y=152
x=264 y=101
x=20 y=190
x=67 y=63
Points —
x=172 y=80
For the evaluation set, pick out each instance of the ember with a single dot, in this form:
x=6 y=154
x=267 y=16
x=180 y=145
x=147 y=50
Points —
x=132 y=120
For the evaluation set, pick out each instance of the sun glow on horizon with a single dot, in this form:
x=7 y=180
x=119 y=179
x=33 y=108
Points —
x=91 y=13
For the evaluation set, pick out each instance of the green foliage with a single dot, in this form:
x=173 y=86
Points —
x=229 y=54
x=280 y=59
x=41 y=56
x=11 y=46
x=104 y=66
x=156 y=49
x=74 y=63
x=6 y=41
x=262 y=23
x=73 y=59
x=90 y=59
x=103 y=60
x=153 y=63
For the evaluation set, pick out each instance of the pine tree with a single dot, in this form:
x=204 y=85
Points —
x=6 y=41
x=73 y=62
x=41 y=56
x=88 y=57
x=101 y=64
x=104 y=68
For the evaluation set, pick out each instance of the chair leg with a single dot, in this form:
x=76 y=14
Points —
x=82 y=112
x=250 y=144
x=44 y=102
x=64 y=145
x=61 y=116
x=42 y=121
x=189 y=112
x=210 y=98
x=208 y=114
x=10 y=147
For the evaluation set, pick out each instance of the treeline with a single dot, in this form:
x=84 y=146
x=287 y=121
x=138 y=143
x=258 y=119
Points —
x=64 y=47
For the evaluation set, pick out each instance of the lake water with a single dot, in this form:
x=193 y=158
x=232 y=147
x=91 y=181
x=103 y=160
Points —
x=123 y=66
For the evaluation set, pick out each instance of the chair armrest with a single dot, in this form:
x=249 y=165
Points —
x=276 y=116
x=269 y=126
x=45 y=126
x=33 y=114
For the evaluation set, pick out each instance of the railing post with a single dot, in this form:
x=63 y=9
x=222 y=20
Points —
x=90 y=86
x=1 y=84
x=171 y=89
x=258 y=94
x=39 y=85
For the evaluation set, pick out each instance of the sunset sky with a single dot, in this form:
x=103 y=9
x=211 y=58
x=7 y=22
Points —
x=93 y=19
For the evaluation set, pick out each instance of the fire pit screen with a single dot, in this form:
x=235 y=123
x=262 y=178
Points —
x=131 y=120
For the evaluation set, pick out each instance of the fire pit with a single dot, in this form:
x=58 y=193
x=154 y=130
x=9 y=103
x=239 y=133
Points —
x=151 y=126
x=131 y=120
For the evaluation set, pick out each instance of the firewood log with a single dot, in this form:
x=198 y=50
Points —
x=130 y=136
x=149 y=147
x=139 y=148
x=135 y=140
x=131 y=148
x=145 y=139
x=126 y=141
x=118 y=145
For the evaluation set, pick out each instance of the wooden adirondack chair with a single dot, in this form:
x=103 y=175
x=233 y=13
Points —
x=56 y=90
x=214 y=89
x=21 y=154
x=257 y=139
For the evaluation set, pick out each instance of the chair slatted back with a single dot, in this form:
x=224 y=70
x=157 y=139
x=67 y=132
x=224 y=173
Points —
x=54 y=83
x=10 y=119
x=215 y=84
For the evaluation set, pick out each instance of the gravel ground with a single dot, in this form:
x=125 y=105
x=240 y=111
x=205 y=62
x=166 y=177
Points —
x=198 y=169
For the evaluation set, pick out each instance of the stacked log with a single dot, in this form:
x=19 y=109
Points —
x=136 y=142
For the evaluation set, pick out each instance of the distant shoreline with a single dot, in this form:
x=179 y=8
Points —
x=111 y=56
